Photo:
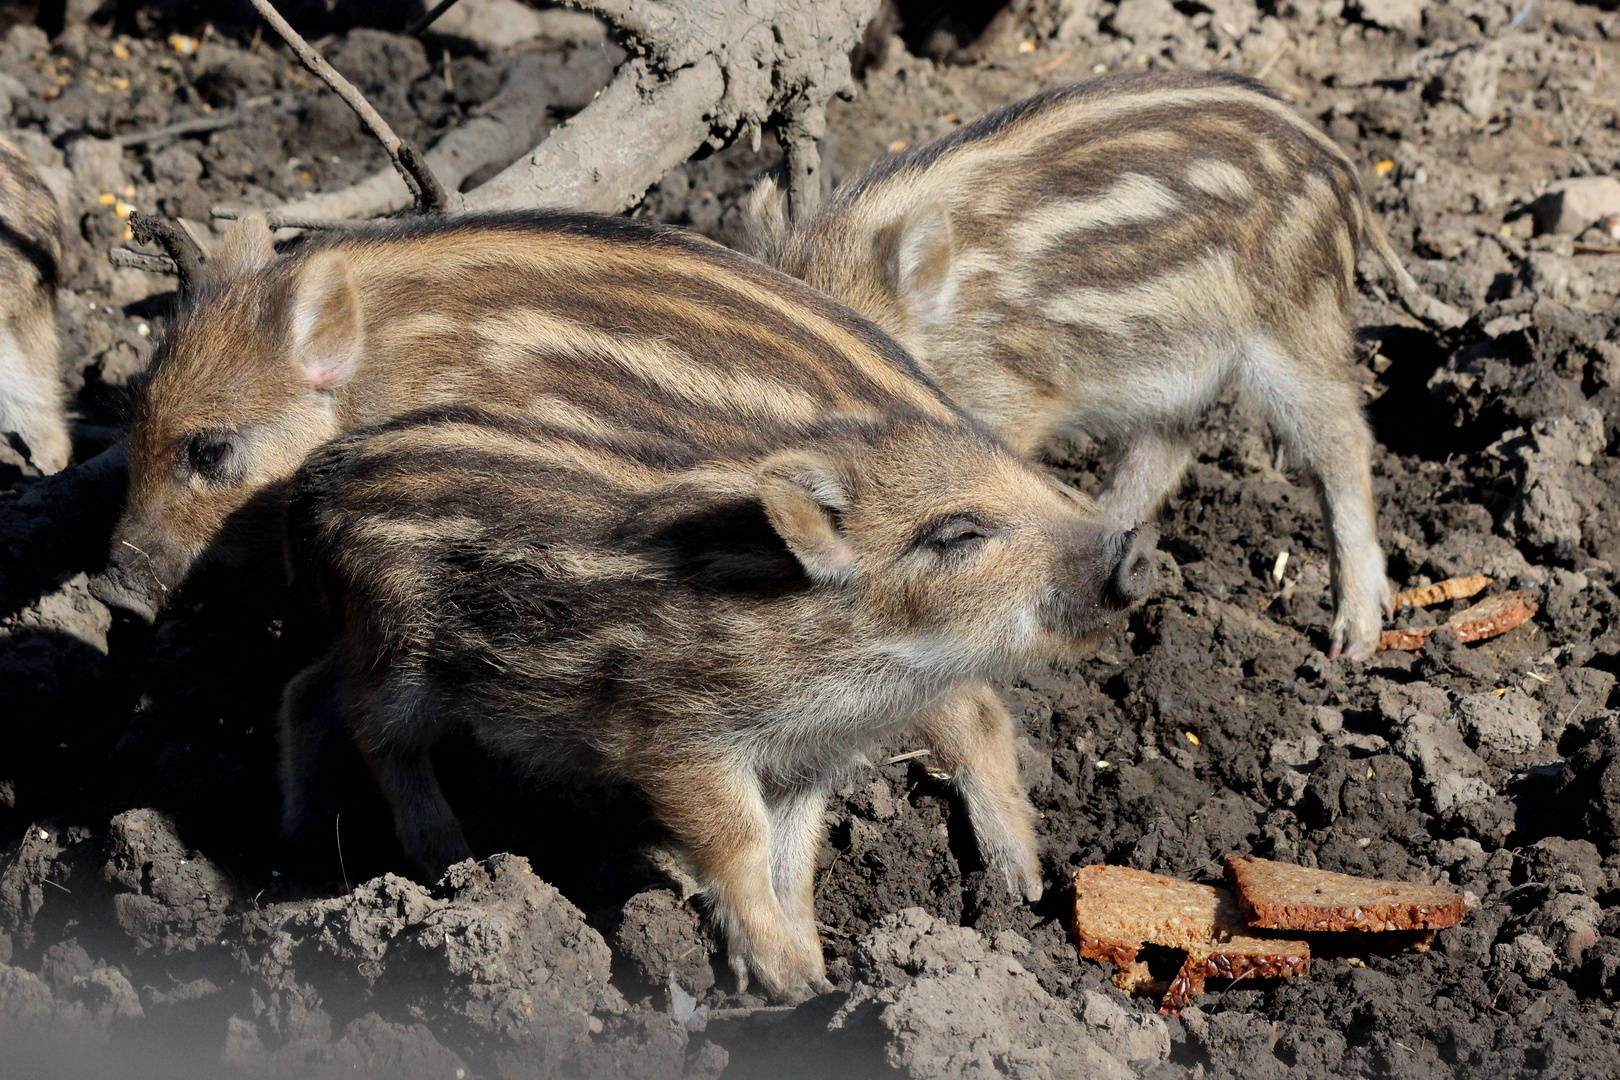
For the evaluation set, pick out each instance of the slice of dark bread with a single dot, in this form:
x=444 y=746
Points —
x=1283 y=897
x=1117 y=910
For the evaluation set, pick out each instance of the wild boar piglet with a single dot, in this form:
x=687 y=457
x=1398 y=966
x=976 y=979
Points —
x=590 y=318
x=1111 y=257
x=728 y=625
x=32 y=403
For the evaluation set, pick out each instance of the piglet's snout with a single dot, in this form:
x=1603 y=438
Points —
x=1131 y=577
x=1101 y=572
x=120 y=589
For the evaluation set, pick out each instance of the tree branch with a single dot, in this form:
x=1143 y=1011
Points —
x=214 y=121
x=125 y=259
x=647 y=25
x=281 y=220
x=428 y=194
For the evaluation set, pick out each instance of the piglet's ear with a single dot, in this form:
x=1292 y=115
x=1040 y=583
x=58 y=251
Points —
x=921 y=266
x=327 y=334
x=764 y=219
x=805 y=499
x=245 y=248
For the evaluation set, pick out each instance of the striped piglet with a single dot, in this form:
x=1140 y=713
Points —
x=1110 y=258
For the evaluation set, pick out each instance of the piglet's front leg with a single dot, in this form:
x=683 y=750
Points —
x=970 y=737
x=714 y=807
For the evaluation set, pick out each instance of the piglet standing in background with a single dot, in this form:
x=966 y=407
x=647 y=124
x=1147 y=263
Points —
x=1111 y=257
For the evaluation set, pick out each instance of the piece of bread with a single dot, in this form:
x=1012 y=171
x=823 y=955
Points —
x=1117 y=910
x=1488 y=618
x=1283 y=897
x=1457 y=588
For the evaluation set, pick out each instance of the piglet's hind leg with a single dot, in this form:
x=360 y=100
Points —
x=716 y=810
x=1316 y=410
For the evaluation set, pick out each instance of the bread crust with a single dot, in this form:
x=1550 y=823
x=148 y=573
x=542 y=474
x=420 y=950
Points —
x=1118 y=909
x=1283 y=897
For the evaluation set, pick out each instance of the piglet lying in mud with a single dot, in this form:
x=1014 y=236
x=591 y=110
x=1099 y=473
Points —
x=31 y=405
x=728 y=622
x=1111 y=257
x=942 y=561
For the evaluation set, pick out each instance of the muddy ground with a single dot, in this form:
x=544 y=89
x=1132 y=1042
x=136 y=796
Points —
x=152 y=925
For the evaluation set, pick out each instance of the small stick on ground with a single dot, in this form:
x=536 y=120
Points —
x=428 y=193
x=337 y=826
x=416 y=28
x=187 y=256
x=125 y=259
x=284 y=221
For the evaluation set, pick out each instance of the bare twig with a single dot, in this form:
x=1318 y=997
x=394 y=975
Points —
x=125 y=259
x=337 y=825
x=429 y=195
x=187 y=256
x=283 y=221
x=416 y=28
x=838 y=854
x=1271 y=61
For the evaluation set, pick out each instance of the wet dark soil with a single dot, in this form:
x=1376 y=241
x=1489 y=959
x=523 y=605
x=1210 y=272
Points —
x=151 y=924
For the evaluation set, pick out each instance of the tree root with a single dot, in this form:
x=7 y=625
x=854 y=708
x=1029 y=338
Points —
x=774 y=63
x=187 y=255
x=700 y=74
x=705 y=74
x=635 y=131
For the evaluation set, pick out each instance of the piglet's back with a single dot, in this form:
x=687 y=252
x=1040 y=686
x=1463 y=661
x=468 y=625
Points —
x=31 y=400
x=574 y=318
x=1133 y=185
x=530 y=564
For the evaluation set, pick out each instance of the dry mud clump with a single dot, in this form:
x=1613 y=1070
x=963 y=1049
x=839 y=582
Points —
x=151 y=924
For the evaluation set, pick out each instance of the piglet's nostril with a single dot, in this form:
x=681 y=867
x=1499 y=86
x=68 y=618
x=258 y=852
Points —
x=1132 y=578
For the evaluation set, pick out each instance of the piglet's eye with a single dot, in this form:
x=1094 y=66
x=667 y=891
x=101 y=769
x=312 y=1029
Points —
x=208 y=454
x=958 y=534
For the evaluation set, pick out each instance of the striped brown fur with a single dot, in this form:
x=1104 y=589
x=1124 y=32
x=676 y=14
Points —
x=585 y=317
x=729 y=623
x=31 y=399
x=1110 y=257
